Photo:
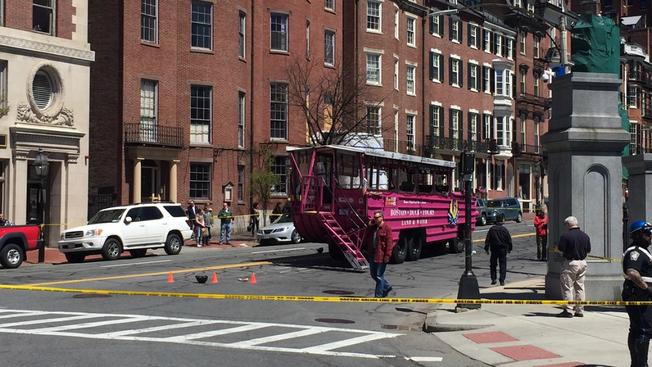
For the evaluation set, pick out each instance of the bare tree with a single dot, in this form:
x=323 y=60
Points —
x=333 y=101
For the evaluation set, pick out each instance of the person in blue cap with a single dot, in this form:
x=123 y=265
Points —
x=637 y=266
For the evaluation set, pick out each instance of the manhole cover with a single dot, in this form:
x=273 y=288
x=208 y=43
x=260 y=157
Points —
x=91 y=295
x=335 y=321
x=338 y=292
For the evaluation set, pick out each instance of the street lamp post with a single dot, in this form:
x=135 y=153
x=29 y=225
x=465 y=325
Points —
x=468 y=282
x=41 y=167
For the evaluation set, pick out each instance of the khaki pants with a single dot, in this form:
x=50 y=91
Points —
x=572 y=283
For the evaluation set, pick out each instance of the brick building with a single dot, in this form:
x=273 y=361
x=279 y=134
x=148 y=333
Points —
x=195 y=90
x=45 y=63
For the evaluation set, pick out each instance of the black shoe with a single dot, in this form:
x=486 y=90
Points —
x=493 y=282
x=579 y=314
x=387 y=291
x=502 y=282
x=565 y=314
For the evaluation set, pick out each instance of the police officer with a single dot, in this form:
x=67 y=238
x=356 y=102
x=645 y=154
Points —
x=637 y=265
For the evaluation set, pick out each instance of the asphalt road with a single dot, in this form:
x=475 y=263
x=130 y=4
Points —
x=71 y=329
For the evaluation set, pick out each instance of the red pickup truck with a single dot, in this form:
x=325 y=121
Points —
x=15 y=241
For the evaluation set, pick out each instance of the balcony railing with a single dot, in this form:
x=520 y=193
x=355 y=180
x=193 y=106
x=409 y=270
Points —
x=455 y=145
x=148 y=133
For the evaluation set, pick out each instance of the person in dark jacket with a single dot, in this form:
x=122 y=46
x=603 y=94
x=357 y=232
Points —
x=499 y=241
x=382 y=245
x=637 y=268
x=574 y=246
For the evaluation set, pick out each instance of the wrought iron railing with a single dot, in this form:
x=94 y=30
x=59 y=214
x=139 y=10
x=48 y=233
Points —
x=150 y=133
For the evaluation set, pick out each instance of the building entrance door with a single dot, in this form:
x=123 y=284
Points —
x=36 y=197
x=151 y=181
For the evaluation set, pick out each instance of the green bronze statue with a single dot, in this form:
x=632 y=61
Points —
x=595 y=45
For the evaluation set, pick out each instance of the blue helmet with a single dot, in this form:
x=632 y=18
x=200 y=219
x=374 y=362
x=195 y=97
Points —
x=640 y=225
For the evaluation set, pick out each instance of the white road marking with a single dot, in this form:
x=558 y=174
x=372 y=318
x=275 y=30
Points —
x=283 y=250
x=139 y=263
x=326 y=349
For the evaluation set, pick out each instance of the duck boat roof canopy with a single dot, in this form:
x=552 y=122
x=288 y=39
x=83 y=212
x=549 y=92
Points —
x=379 y=153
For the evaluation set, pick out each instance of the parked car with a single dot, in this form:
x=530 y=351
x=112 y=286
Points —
x=134 y=228
x=15 y=241
x=281 y=230
x=509 y=207
x=481 y=205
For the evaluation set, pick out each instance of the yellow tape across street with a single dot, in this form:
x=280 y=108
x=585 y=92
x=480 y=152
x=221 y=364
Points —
x=326 y=299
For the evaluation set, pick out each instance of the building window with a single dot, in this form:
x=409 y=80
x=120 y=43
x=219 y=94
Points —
x=43 y=89
x=510 y=48
x=523 y=131
x=455 y=131
x=280 y=169
x=373 y=69
x=537 y=136
x=523 y=82
x=279 y=32
x=435 y=121
x=396 y=71
x=437 y=25
x=455 y=72
x=537 y=46
x=307 y=39
x=536 y=86
x=242 y=111
x=43 y=16
x=473 y=35
x=486 y=40
x=149 y=21
x=279 y=110
x=242 y=39
x=374 y=120
x=497 y=172
x=410 y=78
x=522 y=37
x=503 y=82
x=200 y=180
x=411 y=31
x=202 y=23
x=409 y=130
x=200 y=114
x=632 y=97
x=455 y=34
x=436 y=70
x=2 y=13
x=499 y=45
x=488 y=126
x=473 y=126
x=329 y=48
x=473 y=77
x=374 y=11
x=148 y=109
x=397 y=17
x=3 y=83
x=241 y=178
x=329 y=5
x=486 y=79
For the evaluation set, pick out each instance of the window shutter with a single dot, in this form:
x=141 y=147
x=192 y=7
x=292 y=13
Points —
x=470 y=82
x=432 y=124
x=460 y=75
x=460 y=27
x=441 y=25
x=440 y=112
x=460 y=132
x=450 y=28
x=441 y=68
x=513 y=85
x=468 y=38
x=450 y=123
x=504 y=46
x=450 y=70
x=469 y=136
x=492 y=78
x=432 y=66
x=492 y=41
x=432 y=24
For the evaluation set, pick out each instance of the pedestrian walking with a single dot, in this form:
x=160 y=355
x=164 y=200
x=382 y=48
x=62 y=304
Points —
x=225 y=217
x=574 y=246
x=208 y=222
x=191 y=212
x=637 y=266
x=253 y=219
x=381 y=245
x=499 y=242
x=541 y=225
x=199 y=228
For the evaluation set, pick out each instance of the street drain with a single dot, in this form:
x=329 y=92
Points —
x=91 y=295
x=335 y=321
x=338 y=292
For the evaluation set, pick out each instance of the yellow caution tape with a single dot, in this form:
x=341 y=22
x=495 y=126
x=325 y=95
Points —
x=328 y=299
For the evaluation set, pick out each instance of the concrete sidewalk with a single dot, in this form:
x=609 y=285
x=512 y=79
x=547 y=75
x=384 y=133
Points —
x=532 y=335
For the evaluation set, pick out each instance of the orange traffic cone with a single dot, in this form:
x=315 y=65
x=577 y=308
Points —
x=214 y=278
x=170 y=278
x=252 y=278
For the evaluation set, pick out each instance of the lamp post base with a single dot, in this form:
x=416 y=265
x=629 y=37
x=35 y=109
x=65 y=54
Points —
x=469 y=289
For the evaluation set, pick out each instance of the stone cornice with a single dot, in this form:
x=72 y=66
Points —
x=38 y=47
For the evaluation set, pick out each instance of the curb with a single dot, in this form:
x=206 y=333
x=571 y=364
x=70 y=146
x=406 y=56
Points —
x=430 y=325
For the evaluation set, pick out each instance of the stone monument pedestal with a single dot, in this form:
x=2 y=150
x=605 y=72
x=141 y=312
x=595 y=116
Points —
x=584 y=143
x=640 y=174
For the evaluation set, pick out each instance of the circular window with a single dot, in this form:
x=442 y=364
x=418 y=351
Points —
x=42 y=90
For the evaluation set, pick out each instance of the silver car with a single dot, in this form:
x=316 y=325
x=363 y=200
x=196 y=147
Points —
x=281 y=230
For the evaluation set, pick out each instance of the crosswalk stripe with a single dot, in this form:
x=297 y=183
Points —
x=23 y=314
x=278 y=337
x=159 y=328
x=94 y=324
x=46 y=321
x=208 y=334
x=348 y=342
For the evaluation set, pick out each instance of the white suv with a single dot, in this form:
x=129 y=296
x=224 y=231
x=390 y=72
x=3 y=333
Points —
x=134 y=228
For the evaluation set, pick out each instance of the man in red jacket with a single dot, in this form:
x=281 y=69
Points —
x=381 y=248
x=541 y=225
